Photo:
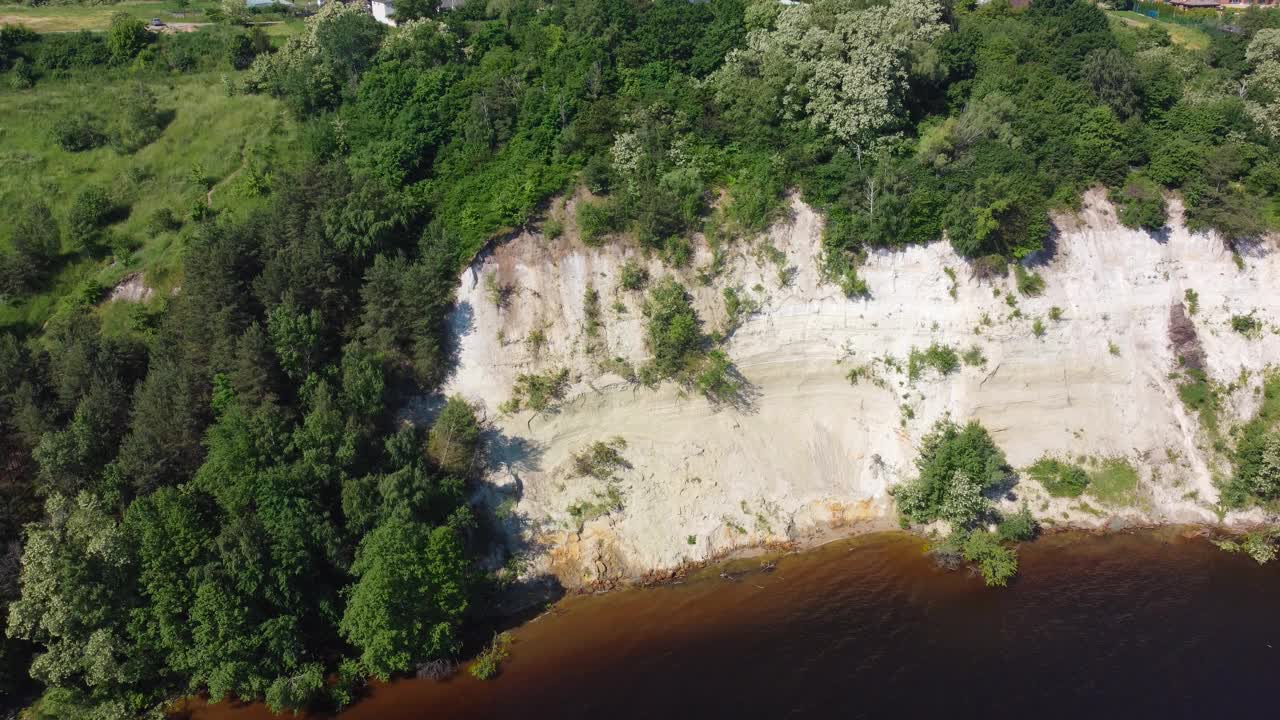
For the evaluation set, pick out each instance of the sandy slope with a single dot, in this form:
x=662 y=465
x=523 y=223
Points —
x=811 y=451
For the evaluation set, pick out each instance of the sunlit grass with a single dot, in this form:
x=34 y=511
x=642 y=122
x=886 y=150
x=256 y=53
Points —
x=69 y=18
x=1115 y=483
x=1189 y=37
x=209 y=130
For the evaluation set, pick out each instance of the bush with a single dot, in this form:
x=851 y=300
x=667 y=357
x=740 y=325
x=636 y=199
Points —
x=755 y=192
x=70 y=51
x=23 y=75
x=954 y=462
x=996 y=562
x=597 y=219
x=36 y=241
x=973 y=357
x=126 y=37
x=1192 y=299
x=454 y=437
x=600 y=459
x=941 y=358
x=1261 y=545
x=1139 y=204
x=537 y=392
x=1029 y=283
x=1059 y=478
x=79 y=131
x=674 y=335
x=91 y=211
x=717 y=379
x=634 y=275
x=489 y=662
x=1019 y=527
x=162 y=220
x=1246 y=325
x=597 y=175
x=140 y=123
x=553 y=228
x=1257 y=454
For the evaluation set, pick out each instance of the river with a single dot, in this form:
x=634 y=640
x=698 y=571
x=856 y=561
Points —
x=1133 y=625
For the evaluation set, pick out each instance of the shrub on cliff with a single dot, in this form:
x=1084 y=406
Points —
x=674 y=333
x=1019 y=526
x=454 y=437
x=957 y=465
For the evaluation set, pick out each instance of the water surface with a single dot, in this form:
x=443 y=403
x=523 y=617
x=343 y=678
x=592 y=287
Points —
x=1121 y=626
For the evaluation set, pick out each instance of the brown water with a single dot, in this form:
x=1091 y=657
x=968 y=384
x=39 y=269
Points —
x=1123 y=626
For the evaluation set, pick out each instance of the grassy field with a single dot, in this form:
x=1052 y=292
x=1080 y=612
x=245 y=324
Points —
x=71 y=18
x=1184 y=35
x=68 y=18
x=210 y=135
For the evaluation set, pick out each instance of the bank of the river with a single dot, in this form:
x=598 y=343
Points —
x=1141 y=624
x=1090 y=367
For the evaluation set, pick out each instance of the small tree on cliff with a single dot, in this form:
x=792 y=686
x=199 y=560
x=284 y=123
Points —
x=454 y=437
x=957 y=464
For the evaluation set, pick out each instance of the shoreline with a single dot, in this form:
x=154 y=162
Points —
x=693 y=571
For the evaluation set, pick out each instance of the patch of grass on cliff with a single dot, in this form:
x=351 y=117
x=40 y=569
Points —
x=1029 y=283
x=1114 y=483
x=600 y=459
x=1199 y=395
x=942 y=358
x=536 y=392
x=1059 y=478
x=602 y=502
x=1247 y=325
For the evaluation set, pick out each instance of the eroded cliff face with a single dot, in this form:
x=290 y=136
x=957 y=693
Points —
x=808 y=452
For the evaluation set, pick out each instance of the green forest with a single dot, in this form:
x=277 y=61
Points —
x=218 y=491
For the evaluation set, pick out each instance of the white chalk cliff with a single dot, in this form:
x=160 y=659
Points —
x=810 y=452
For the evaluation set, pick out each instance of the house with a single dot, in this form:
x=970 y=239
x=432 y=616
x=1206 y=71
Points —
x=383 y=12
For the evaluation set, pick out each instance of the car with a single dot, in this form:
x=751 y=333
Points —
x=157 y=22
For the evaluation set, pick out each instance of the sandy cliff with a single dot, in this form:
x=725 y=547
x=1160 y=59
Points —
x=809 y=452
